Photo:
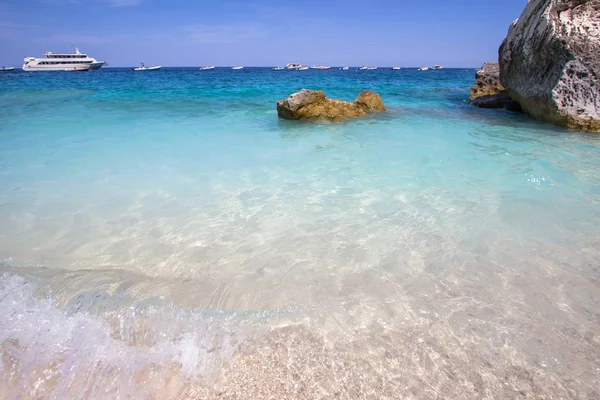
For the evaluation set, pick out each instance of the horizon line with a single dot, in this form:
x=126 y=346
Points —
x=273 y=66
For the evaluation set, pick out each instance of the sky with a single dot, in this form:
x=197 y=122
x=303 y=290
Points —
x=459 y=33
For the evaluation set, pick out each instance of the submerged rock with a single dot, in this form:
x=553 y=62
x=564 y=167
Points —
x=487 y=81
x=550 y=62
x=498 y=100
x=313 y=104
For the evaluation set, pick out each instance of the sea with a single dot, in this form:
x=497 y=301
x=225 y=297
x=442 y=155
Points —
x=163 y=235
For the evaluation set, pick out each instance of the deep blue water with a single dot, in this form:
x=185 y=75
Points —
x=172 y=211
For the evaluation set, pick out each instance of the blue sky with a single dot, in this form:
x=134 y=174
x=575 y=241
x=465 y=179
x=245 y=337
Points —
x=460 y=33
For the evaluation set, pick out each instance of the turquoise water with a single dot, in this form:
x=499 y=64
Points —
x=164 y=235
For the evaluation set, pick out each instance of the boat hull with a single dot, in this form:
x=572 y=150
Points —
x=97 y=64
x=59 y=67
x=148 y=68
x=74 y=68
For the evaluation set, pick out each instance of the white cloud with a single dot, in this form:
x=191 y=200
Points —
x=59 y=2
x=10 y=28
x=82 y=39
x=112 y=3
x=220 y=34
x=124 y=3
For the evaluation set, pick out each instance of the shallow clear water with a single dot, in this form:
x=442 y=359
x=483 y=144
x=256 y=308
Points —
x=164 y=235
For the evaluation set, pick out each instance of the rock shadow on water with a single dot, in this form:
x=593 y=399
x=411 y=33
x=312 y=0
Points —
x=305 y=128
x=515 y=120
x=490 y=116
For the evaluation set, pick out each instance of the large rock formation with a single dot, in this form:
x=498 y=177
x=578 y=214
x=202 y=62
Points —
x=550 y=62
x=313 y=104
x=487 y=81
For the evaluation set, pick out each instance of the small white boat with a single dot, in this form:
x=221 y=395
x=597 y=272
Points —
x=278 y=68
x=7 y=69
x=237 y=68
x=295 y=66
x=321 y=67
x=363 y=68
x=437 y=67
x=142 y=67
x=345 y=68
x=423 y=68
x=396 y=68
x=207 y=68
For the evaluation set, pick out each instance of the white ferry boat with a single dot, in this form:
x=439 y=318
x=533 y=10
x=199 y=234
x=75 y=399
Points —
x=61 y=62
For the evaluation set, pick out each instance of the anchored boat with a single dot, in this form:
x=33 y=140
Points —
x=61 y=62
x=296 y=66
x=142 y=67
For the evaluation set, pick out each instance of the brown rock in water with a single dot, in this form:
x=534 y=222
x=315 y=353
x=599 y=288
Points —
x=487 y=81
x=550 y=62
x=313 y=104
x=370 y=101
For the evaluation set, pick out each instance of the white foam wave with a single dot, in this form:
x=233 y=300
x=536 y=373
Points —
x=131 y=350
